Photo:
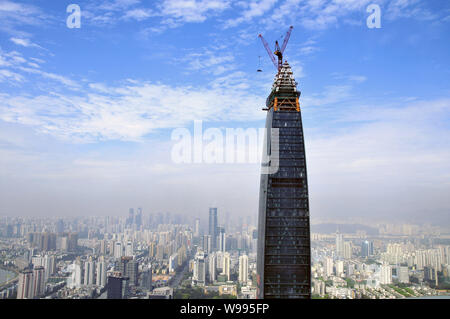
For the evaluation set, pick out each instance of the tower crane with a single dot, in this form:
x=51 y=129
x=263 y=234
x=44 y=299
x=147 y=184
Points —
x=278 y=51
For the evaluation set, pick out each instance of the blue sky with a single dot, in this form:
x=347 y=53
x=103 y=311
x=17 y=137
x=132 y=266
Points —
x=86 y=114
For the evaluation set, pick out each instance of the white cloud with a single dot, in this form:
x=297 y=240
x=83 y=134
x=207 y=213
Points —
x=11 y=59
x=253 y=9
x=398 y=9
x=117 y=5
x=192 y=10
x=331 y=94
x=37 y=60
x=14 y=14
x=323 y=14
x=15 y=62
x=315 y=14
x=107 y=13
x=34 y=65
x=25 y=43
x=138 y=14
x=131 y=111
x=100 y=87
x=307 y=50
x=319 y=22
x=166 y=13
x=56 y=77
x=352 y=78
x=134 y=109
x=357 y=78
x=212 y=62
x=22 y=42
x=6 y=75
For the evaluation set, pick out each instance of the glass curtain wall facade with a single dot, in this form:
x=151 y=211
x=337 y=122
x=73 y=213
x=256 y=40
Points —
x=283 y=262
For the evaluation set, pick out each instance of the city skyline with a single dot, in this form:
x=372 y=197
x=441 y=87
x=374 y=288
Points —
x=153 y=258
x=86 y=114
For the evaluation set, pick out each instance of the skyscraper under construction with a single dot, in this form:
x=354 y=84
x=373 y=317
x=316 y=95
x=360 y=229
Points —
x=284 y=266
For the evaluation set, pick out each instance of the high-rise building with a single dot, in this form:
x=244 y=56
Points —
x=129 y=250
x=76 y=278
x=348 y=250
x=243 y=269
x=37 y=261
x=60 y=226
x=403 y=274
x=212 y=229
x=101 y=272
x=130 y=219
x=152 y=249
x=173 y=262
x=44 y=241
x=199 y=273
x=226 y=265
x=128 y=267
x=102 y=249
x=222 y=239
x=118 y=250
x=284 y=262
x=420 y=259
x=10 y=231
x=207 y=243
x=111 y=247
x=319 y=287
x=25 y=285
x=339 y=245
x=68 y=241
x=138 y=218
x=197 y=227
x=339 y=268
x=182 y=255
x=219 y=260
x=38 y=281
x=430 y=274
x=72 y=242
x=117 y=287
x=366 y=249
x=146 y=277
x=89 y=266
x=350 y=269
x=212 y=267
x=160 y=252
x=385 y=274
x=328 y=266
x=49 y=265
x=447 y=255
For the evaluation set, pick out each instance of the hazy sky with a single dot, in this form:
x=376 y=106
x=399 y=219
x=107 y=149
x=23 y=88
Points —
x=86 y=114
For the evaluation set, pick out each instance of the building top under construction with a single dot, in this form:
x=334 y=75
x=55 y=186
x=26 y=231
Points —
x=284 y=80
x=284 y=95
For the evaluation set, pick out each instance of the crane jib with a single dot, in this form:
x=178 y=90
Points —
x=278 y=51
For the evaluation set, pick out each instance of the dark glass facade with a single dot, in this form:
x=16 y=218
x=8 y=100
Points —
x=117 y=286
x=114 y=288
x=284 y=266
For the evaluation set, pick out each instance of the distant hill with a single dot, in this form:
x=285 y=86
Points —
x=343 y=228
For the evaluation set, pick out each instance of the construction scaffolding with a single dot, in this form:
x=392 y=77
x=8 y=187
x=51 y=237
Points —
x=284 y=95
